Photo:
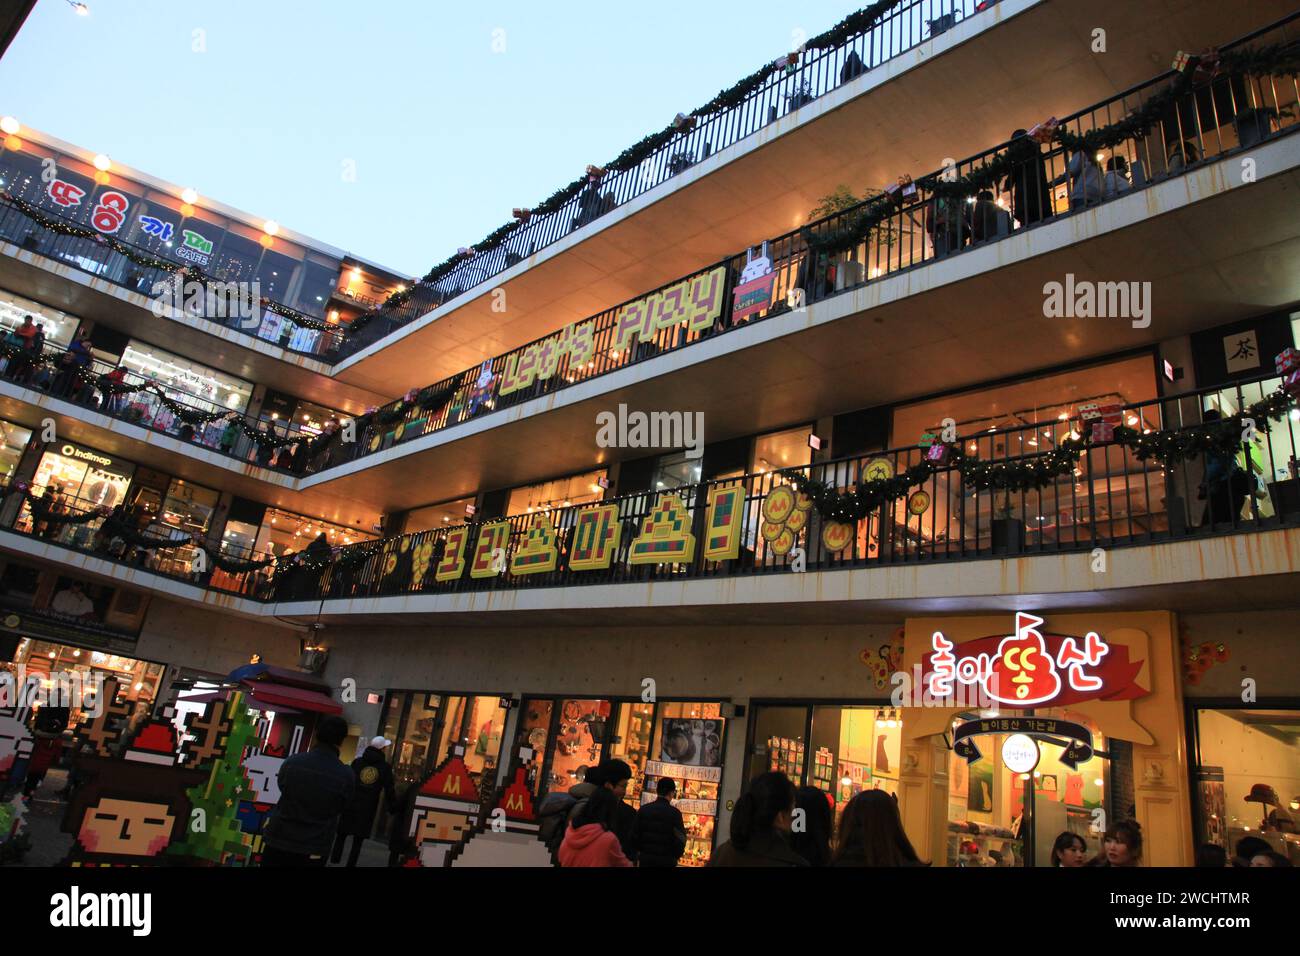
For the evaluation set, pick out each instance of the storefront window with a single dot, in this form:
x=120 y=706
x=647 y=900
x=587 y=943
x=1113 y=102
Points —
x=1249 y=778
x=185 y=380
x=13 y=441
x=437 y=516
x=283 y=532
x=561 y=493
x=579 y=741
x=424 y=727
x=84 y=479
x=58 y=326
x=138 y=680
x=689 y=744
x=631 y=744
x=785 y=449
x=675 y=471
x=534 y=730
x=779 y=742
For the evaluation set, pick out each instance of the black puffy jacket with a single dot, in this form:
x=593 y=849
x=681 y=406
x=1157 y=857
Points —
x=315 y=788
x=373 y=777
x=660 y=833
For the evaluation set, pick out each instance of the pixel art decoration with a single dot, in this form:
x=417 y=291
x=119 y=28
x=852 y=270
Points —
x=538 y=553
x=595 y=538
x=494 y=536
x=722 y=527
x=130 y=808
x=452 y=565
x=666 y=535
x=510 y=835
x=445 y=810
x=16 y=740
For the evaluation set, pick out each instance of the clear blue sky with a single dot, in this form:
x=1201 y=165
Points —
x=446 y=134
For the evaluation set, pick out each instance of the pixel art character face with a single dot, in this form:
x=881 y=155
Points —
x=127 y=827
x=441 y=826
x=263 y=773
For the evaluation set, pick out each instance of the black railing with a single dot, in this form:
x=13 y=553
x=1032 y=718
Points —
x=145 y=409
x=1208 y=122
x=104 y=262
x=819 y=72
x=1112 y=499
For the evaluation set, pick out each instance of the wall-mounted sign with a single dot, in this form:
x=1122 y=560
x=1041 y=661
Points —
x=1020 y=749
x=110 y=212
x=661 y=768
x=754 y=291
x=1241 y=351
x=697 y=302
x=195 y=248
x=1030 y=669
x=153 y=226
x=64 y=193
x=540 y=360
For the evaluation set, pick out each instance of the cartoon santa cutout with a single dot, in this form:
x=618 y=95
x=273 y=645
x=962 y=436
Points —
x=445 y=810
x=511 y=835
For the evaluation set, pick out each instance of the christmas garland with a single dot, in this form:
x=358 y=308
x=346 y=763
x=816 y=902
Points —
x=1168 y=447
x=62 y=227
x=855 y=227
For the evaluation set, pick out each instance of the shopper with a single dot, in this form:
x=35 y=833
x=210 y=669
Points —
x=1122 y=845
x=372 y=776
x=559 y=808
x=1269 y=858
x=810 y=831
x=1248 y=848
x=48 y=507
x=401 y=847
x=1225 y=486
x=590 y=840
x=315 y=788
x=760 y=826
x=871 y=833
x=1084 y=178
x=988 y=219
x=1069 y=850
x=660 y=830
x=1031 y=197
x=1116 y=180
x=1211 y=856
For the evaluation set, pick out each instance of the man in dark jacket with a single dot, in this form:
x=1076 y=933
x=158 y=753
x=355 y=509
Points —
x=613 y=775
x=315 y=788
x=660 y=830
x=372 y=776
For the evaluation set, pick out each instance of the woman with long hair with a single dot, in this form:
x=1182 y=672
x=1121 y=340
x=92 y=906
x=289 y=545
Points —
x=1069 y=850
x=760 y=826
x=812 y=838
x=871 y=833
x=1122 y=845
x=590 y=840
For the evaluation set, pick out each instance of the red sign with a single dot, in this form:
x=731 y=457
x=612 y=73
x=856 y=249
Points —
x=1032 y=669
x=110 y=212
x=752 y=296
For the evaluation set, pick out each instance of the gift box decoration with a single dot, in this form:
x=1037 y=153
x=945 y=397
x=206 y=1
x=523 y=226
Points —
x=1291 y=383
x=595 y=173
x=789 y=62
x=683 y=122
x=902 y=190
x=1045 y=131
x=523 y=215
x=1182 y=61
x=1103 y=431
x=938 y=453
x=1287 y=361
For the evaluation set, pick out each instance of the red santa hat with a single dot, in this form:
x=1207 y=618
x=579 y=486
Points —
x=155 y=744
x=517 y=803
x=450 y=788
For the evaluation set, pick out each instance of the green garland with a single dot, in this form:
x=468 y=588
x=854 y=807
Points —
x=855 y=227
x=1168 y=447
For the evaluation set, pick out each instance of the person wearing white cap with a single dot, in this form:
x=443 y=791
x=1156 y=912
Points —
x=373 y=776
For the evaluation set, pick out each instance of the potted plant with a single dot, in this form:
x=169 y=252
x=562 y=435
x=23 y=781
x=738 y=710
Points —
x=1008 y=530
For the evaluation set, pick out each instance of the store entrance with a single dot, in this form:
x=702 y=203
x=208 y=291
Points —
x=996 y=817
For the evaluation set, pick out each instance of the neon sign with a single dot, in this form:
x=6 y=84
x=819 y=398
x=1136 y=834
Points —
x=1030 y=669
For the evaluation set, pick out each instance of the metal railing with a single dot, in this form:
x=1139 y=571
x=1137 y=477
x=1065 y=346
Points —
x=1111 y=499
x=146 y=409
x=819 y=72
x=104 y=262
x=178 y=563
x=1206 y=123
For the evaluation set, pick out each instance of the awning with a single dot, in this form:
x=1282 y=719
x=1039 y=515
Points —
x=267 y=696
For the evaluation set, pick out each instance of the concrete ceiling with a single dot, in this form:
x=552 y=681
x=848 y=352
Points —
x=1008 y=75
x=1228 y=257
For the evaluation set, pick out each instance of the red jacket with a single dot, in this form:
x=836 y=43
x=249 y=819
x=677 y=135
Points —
x=591 y=845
